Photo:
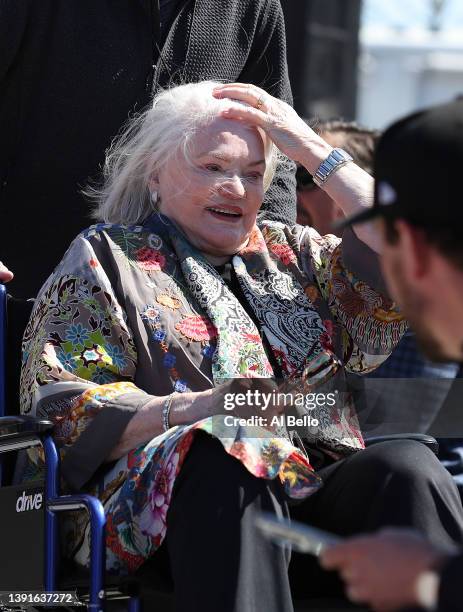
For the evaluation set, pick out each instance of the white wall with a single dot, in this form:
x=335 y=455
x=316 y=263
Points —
x=400 y=72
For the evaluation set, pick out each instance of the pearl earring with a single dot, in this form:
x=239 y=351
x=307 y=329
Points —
x=154 y=197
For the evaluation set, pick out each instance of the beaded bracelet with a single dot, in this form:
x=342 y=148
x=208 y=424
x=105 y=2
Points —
x=166 y=411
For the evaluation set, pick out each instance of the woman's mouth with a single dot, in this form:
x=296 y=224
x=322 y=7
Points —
x=227 y=213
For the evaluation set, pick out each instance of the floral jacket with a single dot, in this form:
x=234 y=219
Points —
x=132 y=313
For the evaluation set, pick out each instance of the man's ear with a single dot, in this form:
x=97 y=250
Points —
x=415 y=249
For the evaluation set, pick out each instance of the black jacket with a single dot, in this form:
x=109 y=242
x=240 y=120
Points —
x=72 y=71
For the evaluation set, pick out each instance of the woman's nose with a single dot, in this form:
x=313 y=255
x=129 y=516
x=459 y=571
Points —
x=233 y=188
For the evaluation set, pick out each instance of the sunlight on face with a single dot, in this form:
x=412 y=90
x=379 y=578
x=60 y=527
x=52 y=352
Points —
x=215 y=194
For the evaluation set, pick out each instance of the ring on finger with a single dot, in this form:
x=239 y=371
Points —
x=260 y=102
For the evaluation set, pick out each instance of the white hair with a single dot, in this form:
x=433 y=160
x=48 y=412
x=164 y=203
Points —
x=148 y=142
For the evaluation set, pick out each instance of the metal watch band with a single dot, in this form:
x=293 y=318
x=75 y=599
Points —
x=336 y=159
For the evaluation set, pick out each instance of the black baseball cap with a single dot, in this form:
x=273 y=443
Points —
x=418 y=170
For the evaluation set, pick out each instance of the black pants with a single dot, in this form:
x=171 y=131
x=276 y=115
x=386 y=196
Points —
x=219 y=561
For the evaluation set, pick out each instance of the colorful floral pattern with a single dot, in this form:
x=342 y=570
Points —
x=199 y=329
x=122 y=289
x=284 y=253
x=169 y=301
x=150 y=259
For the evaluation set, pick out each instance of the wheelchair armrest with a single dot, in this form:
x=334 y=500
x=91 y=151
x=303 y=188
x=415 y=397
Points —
x=429 y=441
x=17 y=431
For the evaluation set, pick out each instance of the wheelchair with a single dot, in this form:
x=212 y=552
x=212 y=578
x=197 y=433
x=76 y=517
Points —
x=29 y=528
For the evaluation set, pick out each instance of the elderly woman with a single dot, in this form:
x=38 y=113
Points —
x=137 y=336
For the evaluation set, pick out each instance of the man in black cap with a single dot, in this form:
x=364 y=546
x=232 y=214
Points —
x=418 y=206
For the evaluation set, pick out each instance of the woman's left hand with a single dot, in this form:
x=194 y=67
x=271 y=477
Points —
x=278 y=119
x=351 y=187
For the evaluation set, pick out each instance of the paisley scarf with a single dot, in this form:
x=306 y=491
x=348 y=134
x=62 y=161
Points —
x=273 y=284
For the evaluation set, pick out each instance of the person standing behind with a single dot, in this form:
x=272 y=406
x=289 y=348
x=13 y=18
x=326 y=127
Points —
x=72 y=73
x=414 y=398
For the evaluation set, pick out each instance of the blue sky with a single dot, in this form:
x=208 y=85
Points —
x=403 y=13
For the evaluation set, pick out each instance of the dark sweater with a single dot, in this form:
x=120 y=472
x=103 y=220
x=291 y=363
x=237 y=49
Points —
x=71 y=72
x=168 y=9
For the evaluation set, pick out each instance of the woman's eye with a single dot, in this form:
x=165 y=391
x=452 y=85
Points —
x=213 y=168
x=254 y=176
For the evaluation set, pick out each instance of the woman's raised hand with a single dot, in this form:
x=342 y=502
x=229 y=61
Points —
x=351 y=188
x=277 y=118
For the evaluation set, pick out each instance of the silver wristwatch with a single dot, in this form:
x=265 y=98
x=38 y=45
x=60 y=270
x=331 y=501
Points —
x=336 y=159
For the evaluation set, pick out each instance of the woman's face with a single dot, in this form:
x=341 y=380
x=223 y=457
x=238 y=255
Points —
x=215 y=195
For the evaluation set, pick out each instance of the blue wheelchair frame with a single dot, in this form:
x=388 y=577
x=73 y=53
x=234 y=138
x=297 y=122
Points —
x=25 y=432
